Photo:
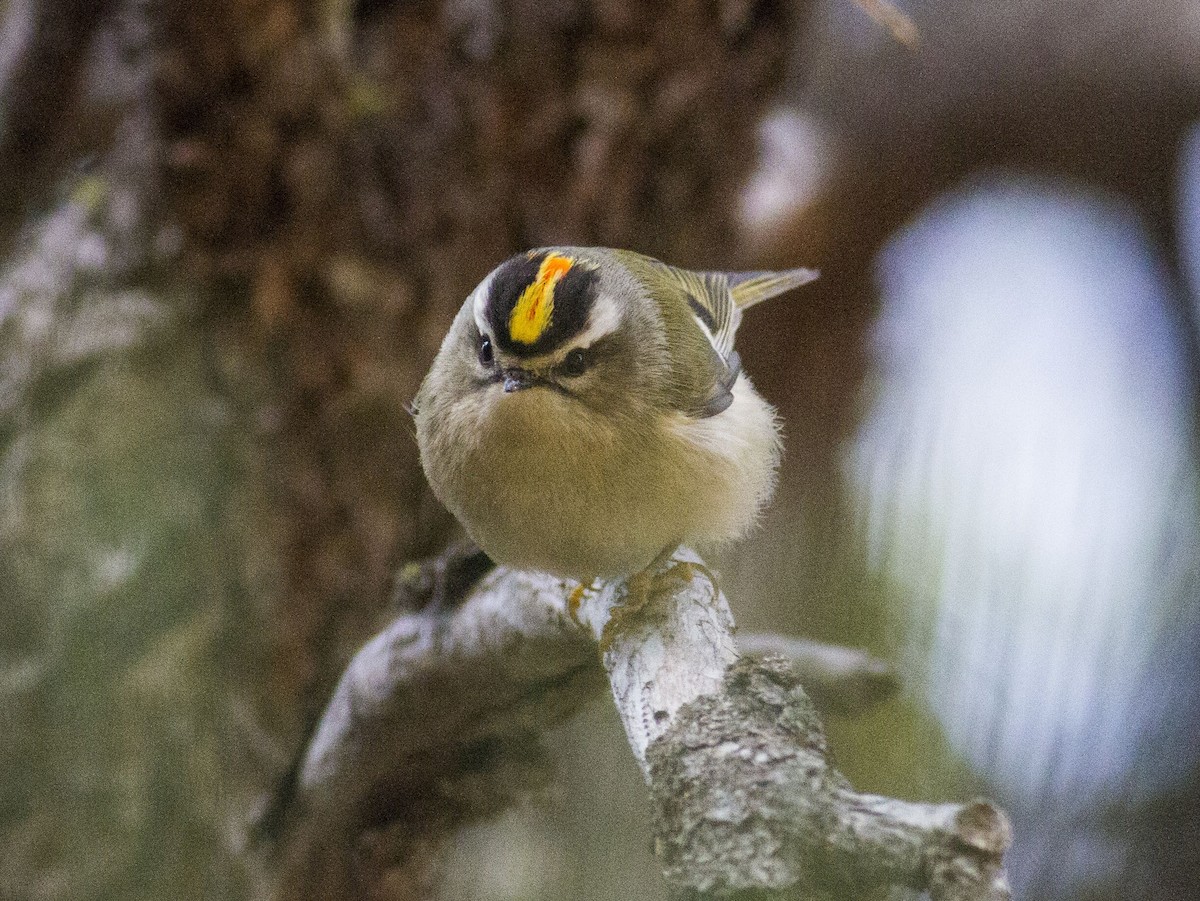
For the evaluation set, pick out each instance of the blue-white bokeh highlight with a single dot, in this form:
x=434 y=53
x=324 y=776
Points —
x=1027 y=478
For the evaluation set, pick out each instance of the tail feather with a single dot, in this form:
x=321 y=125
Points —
x=749 y=288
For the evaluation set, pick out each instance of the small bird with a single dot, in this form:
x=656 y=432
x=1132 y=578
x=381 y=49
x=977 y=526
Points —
x=587 y=413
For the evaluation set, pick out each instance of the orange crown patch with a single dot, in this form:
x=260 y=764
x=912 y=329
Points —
x=535 y=307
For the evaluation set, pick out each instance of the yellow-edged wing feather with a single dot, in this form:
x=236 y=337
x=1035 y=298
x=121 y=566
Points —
x=718 y=298
x=715 y=301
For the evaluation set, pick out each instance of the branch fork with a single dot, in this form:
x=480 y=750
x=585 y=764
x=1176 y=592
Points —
x=746 y=802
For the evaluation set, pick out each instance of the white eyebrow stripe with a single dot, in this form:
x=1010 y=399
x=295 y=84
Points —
x=480 y=303
x=603 y=319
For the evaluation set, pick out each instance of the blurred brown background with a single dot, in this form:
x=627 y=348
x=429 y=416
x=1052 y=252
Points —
x=235 y=232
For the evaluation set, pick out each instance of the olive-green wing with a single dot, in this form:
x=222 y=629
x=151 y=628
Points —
x=717 y=299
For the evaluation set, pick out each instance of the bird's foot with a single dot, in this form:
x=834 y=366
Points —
x=575 y=599
x=642 y=586
x=686 y=570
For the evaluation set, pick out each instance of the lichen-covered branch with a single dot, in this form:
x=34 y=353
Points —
x=745 y=798
x=439 y=716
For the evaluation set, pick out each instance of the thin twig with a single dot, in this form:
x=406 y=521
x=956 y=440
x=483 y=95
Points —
x=895 y=20
x=839 y=680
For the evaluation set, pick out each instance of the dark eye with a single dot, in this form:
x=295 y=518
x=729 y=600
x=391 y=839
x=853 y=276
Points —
x=486 y=357
x=575 y=363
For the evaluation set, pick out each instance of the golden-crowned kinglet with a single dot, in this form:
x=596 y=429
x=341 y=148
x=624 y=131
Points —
x=587 y=411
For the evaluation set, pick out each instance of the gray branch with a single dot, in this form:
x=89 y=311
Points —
x=437 y=721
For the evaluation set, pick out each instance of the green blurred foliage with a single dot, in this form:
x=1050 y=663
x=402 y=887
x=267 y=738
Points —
x=120 y=630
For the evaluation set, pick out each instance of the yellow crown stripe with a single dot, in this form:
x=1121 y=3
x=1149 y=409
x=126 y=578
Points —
x=531 y=316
